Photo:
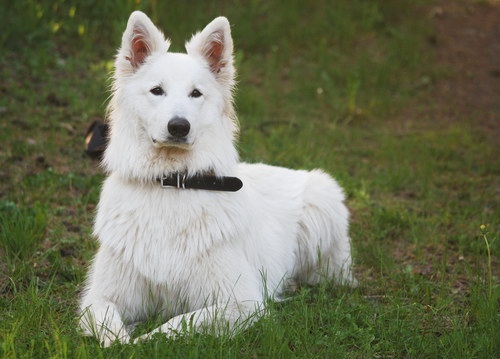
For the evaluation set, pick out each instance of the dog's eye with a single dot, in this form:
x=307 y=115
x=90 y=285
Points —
x=157 y=91
x=195 y=93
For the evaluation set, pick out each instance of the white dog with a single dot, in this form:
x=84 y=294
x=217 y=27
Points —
x=200 y=251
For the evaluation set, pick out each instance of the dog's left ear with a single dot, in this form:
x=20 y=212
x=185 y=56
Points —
x=215 y=45
x=139 y=41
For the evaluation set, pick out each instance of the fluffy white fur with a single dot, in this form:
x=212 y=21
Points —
x=196 y=256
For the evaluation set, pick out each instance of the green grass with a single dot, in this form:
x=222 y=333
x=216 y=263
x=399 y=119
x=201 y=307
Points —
x=337 y=85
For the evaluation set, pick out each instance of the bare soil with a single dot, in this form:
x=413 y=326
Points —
x=467 y=41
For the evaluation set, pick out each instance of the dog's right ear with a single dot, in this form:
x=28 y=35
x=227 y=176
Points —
x=215 y=46
x=140 y=40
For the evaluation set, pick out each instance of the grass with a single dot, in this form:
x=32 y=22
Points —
x=334 y=85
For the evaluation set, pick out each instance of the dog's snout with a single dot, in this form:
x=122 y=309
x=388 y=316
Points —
x=178 y=127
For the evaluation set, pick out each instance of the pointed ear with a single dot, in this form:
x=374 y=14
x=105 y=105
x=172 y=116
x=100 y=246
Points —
x=215 y=45
x=140 y=40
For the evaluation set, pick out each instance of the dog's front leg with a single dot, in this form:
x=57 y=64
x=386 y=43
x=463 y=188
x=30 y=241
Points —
x=103 y=321
x=216 y=319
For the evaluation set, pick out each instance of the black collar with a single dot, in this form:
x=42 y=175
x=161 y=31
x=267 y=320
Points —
x=207 y=182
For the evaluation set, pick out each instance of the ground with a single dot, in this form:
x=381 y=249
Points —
x=397 y=99
x=468 y=41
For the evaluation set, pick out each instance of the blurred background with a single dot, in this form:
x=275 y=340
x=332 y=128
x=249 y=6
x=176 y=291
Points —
x=397 y=99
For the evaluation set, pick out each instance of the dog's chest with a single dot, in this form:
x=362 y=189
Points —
x=164 y=233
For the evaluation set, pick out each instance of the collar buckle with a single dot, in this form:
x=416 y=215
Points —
x=180 y=181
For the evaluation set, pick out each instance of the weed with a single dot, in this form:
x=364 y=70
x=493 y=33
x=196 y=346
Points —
x=21 y=231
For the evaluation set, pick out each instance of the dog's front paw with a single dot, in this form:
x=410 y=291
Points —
x=145 y=337
x=108 y=339
x=150 y=335
x=142 y=338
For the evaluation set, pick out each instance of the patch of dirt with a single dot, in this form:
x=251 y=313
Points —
x=467 y=45
x=467 y=41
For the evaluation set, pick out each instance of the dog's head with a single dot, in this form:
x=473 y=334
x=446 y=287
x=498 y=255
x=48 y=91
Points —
x=172 y=111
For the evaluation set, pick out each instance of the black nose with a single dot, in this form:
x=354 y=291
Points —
x=178 y=127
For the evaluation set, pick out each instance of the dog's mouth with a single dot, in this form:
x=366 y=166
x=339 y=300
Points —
x=182 y=143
